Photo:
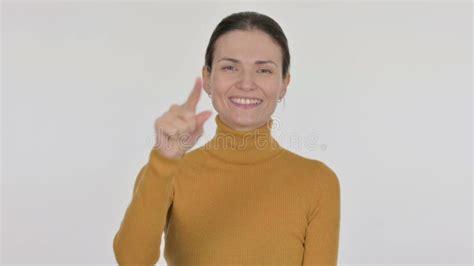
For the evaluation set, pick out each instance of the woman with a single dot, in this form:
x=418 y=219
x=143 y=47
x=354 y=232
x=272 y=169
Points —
x=240 y=199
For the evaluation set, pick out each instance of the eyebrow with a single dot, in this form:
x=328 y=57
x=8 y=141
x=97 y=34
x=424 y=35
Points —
x=258 y=62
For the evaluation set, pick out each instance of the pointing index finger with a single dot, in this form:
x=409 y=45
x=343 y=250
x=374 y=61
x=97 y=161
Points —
x=193 y=97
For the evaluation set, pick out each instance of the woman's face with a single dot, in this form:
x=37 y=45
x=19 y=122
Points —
x=246 y=64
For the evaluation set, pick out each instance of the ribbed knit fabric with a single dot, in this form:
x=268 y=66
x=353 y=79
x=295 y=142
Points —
x=240 y=199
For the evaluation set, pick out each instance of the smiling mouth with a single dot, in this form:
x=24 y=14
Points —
x=245 y=103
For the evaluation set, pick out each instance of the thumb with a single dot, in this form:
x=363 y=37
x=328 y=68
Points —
x=201 y=118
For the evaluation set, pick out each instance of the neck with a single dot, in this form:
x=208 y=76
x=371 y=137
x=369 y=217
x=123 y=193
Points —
x=243 y=147
x=243 y=129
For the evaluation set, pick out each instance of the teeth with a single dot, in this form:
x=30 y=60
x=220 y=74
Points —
x=245 y=101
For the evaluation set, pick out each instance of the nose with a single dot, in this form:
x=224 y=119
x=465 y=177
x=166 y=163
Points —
x=247 y=81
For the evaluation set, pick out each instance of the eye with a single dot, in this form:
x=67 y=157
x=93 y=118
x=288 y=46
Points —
x=227 y=67
x=266 y=71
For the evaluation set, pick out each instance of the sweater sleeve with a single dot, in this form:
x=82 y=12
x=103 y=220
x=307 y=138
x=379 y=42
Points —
x=139 y=236
x=322 y=232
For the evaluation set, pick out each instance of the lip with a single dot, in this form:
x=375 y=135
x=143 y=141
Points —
x=245 y=106
x=245 y=97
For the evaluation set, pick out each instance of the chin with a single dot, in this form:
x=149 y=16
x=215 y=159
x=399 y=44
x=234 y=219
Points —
x=246 y=121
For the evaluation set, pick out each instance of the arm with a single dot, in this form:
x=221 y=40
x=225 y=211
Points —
x=322 y=233
x=139 y=237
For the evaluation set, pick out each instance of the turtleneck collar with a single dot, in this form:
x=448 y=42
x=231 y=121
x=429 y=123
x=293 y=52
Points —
x=243 y=147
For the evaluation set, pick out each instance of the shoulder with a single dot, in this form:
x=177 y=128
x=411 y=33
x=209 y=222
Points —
x=299 y=161
x=309 y=163
x=321 y=176
x=327 y=178
x=192 y=159
x=194 y=154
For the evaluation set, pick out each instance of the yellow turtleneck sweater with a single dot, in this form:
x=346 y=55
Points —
x=240 y=199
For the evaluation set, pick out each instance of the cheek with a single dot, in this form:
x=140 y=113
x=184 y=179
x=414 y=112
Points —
x=271 y=90
x=222 y=80
x=220 y=85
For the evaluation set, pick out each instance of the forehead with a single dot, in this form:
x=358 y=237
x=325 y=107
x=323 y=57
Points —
x=247 y=46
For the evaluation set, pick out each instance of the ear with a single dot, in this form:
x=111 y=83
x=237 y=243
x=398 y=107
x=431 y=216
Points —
x=206 y=77
x=286 y=81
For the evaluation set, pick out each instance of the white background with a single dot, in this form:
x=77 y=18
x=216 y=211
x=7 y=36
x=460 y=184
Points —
x=384 y=89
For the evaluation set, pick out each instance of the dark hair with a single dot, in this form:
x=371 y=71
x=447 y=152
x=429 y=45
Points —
x=248 y=21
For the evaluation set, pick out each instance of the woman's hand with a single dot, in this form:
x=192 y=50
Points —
x=178 y=129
